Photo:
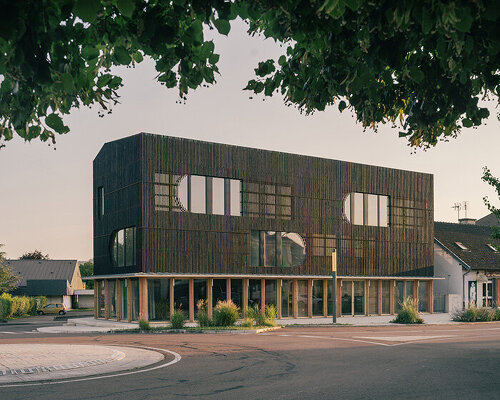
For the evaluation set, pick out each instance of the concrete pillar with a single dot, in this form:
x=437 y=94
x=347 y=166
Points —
x=118 y=289
x=191 y=299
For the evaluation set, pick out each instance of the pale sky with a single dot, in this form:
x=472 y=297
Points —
x=46 y=195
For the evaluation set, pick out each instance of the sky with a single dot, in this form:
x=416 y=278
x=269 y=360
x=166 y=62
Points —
x=46 y=194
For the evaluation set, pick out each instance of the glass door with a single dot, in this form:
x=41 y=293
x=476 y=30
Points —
x=353 y=297
x=359 y=297
x=488 y=294
x=346 y=297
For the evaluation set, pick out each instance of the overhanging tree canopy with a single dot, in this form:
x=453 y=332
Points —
x=426 y=64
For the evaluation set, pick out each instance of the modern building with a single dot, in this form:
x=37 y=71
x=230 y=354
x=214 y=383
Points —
x=177 y=221
x=58 y=280
x=466 y=255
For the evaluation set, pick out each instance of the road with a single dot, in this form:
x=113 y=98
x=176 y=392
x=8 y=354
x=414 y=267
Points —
x=30 y=324
x=409 y=362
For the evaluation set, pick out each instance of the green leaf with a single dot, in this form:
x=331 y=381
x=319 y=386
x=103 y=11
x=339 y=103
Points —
x=68 y=84
x=465 y=20
x=426 y=22
x=122 y=56
x=281 y=60
x=137 y=56
x=90 y=52
x=354 y=4
x=55 y=122
x=342 y=106
x=126 y=7
x=416 y=74
x=467 y=123
x=223 y=26
x=86 y=9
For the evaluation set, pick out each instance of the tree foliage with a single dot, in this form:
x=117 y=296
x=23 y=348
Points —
x=495 y=182
x=425 y=64
x=34 y=255
x=87 y=269
x=8 y=280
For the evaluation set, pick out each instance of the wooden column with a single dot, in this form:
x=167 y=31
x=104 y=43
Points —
x=339 y=297
x=263 y=296
x=404 y=290
x=391 y=296
x=310 y=298
x=279 y=282
x=228 y=289
x=106 y=299
x=129 y=300
x=415 y=291
x=209 y=297
x=172 y=298
x=431 y=296
x=325 y=298
x=118 y=289
x=295 y=299
x=143 y=299
x=379 y=282
x=245 y=296
x=367 y=294
x=498 y=292
x=191 y=299
x=96 y=299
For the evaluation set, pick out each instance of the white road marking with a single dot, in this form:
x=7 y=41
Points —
x=402 y=338
x=345 y=339
x=11 y=333
x=177 y=358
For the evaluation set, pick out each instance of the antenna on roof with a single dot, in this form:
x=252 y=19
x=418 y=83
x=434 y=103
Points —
x=466 y=206
x=457 y=207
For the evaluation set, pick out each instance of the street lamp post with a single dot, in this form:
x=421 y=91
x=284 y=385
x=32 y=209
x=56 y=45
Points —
x=334 y=280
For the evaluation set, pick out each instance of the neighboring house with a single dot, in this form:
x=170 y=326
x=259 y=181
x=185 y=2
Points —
x=465 y=257
x=56 y=279
x=178 y=220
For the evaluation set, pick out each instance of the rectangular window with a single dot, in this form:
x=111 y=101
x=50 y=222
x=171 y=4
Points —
x=317 y=296
x=281 y=249
x=423 y=296
x=124 y=295
x=159 y=299
x=286 y=298
x=270 y=248
x=410 y=289
x=372 y=210
x=121 y=247
x=398 y=295
x=100 y=201
x=383 y=204
x=135 y=298
x=200 y=292
x=358 y=209
x=198 y=194
x=219 y=291
x=181 y=295
x=373 y=297
x=237 y=292
x=271 y=292
x=218 y=196
x=235 y=197
x=254 y=292
x=255 y=249
x=386 y=297
x=303 y=299
x=112 y=298
x=129 y=246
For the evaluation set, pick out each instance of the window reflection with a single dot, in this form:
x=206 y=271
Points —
x=281 y=249
x=122 y=248
x=367 y=209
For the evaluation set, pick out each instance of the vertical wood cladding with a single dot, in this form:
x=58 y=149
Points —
x=182 y=242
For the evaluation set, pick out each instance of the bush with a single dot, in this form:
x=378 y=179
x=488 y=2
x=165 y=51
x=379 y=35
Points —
x=270 y=315
x=475 y=314
x=7 y=305
x=247 y=322
x=408 y=313
x=144 y=325
x=17 y=306
x=226 y=313
x=202 y=315
x=256 y=314
x=177 y=319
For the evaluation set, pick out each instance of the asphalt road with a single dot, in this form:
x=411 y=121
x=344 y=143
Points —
x=429 y=362
x=29 y=325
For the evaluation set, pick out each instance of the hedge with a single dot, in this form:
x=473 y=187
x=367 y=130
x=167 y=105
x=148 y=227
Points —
x=17 y=306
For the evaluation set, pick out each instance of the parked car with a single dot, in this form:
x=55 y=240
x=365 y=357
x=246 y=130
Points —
x=55 y=308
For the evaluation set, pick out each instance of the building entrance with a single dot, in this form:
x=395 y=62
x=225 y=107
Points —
x=353 y=297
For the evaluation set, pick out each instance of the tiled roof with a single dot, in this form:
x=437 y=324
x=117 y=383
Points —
x=475 y=239
x=488 y=220
x=43 y=269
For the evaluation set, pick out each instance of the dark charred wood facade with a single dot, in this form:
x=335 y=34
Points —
x=147 y=184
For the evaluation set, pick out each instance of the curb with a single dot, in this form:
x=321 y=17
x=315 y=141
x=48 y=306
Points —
x=200 y=331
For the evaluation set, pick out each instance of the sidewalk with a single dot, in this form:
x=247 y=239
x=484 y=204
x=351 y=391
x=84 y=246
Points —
x=88 y=325
x=38 y=362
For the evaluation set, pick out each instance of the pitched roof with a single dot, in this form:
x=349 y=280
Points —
x=488 y=220
x=43 y=269
x=474 y=239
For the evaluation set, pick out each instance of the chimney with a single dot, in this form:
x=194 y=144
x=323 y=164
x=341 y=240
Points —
x=467 y=221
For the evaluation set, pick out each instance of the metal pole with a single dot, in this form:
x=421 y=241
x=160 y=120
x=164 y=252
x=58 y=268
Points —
x=334 y=281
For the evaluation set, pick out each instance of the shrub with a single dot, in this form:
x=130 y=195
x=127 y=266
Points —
x=177 y=319
x=247 y=322
x=408 y=313
x=144 y=325
x=202 y=315
x=7 y=305
x=475 y=314
x=497 y=314
x=4 y=308
x=226 y=313
x=485 y=314
x=270 y=315
x=256 y=314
